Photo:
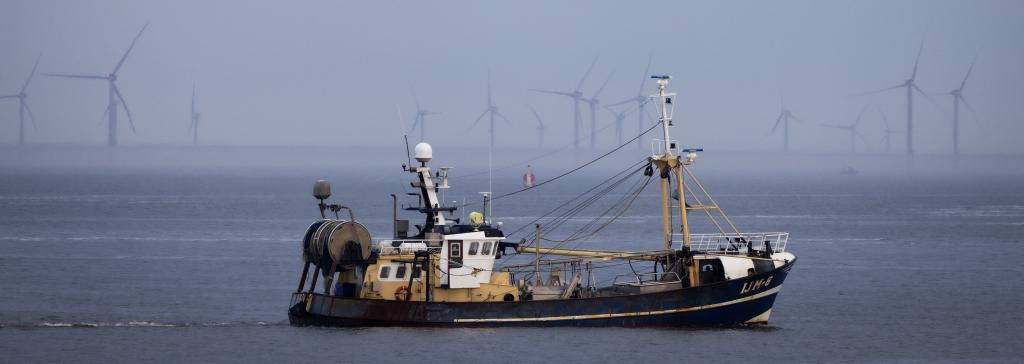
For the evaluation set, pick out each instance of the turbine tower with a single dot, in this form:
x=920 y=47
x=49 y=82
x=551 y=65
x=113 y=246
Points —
x=641 y=100
x=540 y=128
x=958 y=97
x=421 y=118
x=23 y=106
x=113 y=93
x=194 y=127
x=887 y=137
x=784 y=115
x=911 y=85
x=851 y=128
x=491 y=111
x=620 y=118
x=577 y=96
x=593 y=102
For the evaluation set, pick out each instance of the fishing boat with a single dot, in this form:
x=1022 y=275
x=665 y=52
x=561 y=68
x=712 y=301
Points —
x=447 y=273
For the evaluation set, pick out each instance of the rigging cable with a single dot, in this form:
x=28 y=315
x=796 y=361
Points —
x=579 y=167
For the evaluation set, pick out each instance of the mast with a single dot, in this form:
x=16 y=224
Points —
x=669 y=166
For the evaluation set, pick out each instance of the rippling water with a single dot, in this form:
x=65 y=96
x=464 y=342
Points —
x=198 y=266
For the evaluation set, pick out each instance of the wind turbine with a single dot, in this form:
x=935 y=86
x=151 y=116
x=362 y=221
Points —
x=23 y=106
x=194 y=127
x=540 y=128
x=911 y=85
x=887 y=138
x=851 y=128
x=576 y=95
x=641 y=100
x=958 y=97
x=113 y=93
x=784 y=115
x=492 y=111
x=421 y=118
x=593 y=102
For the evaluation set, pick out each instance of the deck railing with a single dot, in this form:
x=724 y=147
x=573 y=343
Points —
x=735 y=242
x=646 y=279
x=389 y=246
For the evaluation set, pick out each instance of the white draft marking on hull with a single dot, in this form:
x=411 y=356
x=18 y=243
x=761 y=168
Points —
x=628 y=314
x=760 y=319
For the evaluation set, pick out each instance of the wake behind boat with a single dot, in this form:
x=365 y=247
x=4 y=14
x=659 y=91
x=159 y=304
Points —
x=445 y=274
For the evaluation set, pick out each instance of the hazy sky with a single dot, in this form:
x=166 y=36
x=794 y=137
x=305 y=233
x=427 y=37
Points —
x=325 y=73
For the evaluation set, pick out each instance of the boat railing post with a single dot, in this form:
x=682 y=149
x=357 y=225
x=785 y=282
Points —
x=316 y=274
x=536 y=249
x=302 y=280
x=394 y=216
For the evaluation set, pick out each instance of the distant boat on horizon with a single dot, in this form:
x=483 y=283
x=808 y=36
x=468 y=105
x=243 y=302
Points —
x=529 y=179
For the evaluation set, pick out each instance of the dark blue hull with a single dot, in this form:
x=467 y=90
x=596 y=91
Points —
x=725 y=303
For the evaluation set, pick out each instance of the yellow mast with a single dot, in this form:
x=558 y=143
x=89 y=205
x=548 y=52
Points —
x=670 y=165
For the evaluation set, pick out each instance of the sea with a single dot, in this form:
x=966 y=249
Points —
x=168 y=254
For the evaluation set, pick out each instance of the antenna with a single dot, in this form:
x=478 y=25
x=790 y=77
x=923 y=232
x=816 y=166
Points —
x=405 y=137
x=667 y=107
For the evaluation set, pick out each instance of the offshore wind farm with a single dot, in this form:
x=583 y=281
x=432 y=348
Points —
x=882 y=137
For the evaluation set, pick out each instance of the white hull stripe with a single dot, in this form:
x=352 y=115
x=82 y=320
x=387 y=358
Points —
x=627 y=314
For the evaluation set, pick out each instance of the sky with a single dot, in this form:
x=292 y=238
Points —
x=349 y=73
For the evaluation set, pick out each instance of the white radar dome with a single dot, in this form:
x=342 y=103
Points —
x=423 y=152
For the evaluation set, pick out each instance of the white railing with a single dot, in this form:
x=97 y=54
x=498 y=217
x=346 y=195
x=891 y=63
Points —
x=646 y=279
x=388 y=246
x=734 y=242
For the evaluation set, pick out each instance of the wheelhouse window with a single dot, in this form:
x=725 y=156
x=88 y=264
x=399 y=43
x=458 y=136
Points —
x=400 y=272
x=456 y=250
x=486 y=250
x=473 y=248
x=385 y=271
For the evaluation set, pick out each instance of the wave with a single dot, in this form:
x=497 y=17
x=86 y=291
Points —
x=981 y=211
x=149 y=238
x=137 y=324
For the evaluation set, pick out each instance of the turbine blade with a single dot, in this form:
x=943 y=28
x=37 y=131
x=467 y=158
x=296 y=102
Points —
x=536 y=115
x=490 y=100
x=569 y=94
x=777 y=122
x=861 y=136
x=31 y=116
x=929 y=98
x=859 y=115
x=971 y=109
x=968 y=75
x=585 y=75
x=502 y=116
x=913 y=75
x=106 y=111
x=415 y=124
x=124 y=104
x=879 y=90
x=884 y=119
x=598 y=93
x=478 y=118
x=643 y=79
x=9 y=96
x=30 y=74
x=794 y=117
x=623 y=102
x=125 y=56
x=76 y=76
